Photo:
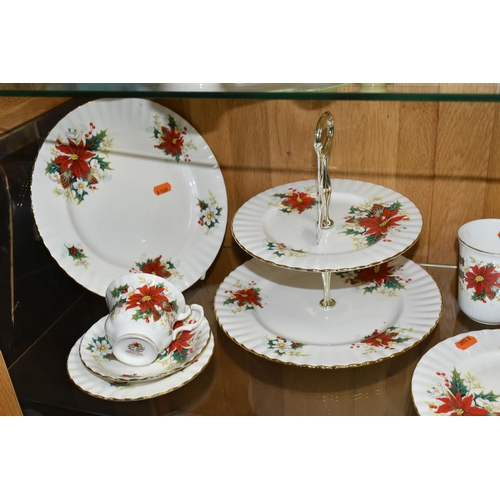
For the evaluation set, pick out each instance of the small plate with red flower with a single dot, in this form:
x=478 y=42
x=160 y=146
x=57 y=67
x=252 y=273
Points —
x=372 y=224
x=379 y=312
x=127 y=185
x=460 y=376
x=111 y=390
x=97 y=355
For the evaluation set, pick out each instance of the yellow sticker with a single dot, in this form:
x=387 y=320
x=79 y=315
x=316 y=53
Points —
x=162 y=188
x=466 y=342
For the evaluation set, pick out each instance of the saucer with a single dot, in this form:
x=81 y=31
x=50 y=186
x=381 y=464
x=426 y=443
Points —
x=100 y=388
x=97 y=355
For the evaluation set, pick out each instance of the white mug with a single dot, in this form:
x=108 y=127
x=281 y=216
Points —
x=479 y=270
x=143 y=312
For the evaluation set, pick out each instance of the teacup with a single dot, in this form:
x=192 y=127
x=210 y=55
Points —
x=143 y=312
x=479 y=270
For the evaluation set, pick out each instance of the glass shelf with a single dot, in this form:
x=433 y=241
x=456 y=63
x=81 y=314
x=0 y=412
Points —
x=472 y=92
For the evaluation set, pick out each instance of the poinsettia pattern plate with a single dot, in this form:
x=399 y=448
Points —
x=100 y=388
x=380 y=312
x=460 y=376
x=372 y=224
x=97 y=355
x=124 y=185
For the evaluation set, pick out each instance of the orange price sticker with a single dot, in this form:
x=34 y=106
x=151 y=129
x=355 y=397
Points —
x=466 y=342
x=162 y=188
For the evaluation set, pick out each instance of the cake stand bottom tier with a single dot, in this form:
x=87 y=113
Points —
x=379 y=312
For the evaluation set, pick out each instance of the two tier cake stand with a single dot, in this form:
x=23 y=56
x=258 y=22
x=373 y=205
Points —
x=328 y=286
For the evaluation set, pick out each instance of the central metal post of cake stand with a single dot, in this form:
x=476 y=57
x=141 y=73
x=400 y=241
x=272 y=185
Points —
x=324 y=192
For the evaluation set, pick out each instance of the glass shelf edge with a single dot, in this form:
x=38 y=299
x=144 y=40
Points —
x=298 y=96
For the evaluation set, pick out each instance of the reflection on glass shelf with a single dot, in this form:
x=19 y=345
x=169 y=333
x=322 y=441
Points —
x=321 y=91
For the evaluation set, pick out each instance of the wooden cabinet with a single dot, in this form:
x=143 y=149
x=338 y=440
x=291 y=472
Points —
x=439 y=147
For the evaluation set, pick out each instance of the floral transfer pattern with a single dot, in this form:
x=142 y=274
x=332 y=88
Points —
x=244 y=298
x=171 y=359
x=383 y=278
x=209 y=212
x=281 y=250
x=78 y=255
x=180 y=347
x=383 y=340
x=462 y=396
x=100 y=349
x=283 y=347
x=77 y=163
x=157 y=266
x=171 y=139
x=295 y=201
x=482 y=278
x=150 y=302
x=374 y=221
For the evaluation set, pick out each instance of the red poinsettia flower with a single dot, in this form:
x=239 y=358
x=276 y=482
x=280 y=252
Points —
x=299 y=201
x=181 y=342
x=482 y=279
x=379 y=224
x=147 y=298
x=154 y=267
x=247 y=296
x=379 y=274
x=74 y=158
x=382 y=339
x=171 y=141
x=461 y=407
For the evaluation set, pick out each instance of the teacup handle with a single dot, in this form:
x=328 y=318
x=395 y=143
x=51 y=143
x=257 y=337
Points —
x=189 y=326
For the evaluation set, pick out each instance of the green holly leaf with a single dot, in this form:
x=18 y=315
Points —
x=103 y=165
x=351 y=231
x=138 y=315
x=171 y=122
x=95 y=141
x=490 y=396
x=400 y=340
x=457 y=384
x=180 y=357
x=371 y=239
x=52 y=168
x=395 y=206
x=393 y=283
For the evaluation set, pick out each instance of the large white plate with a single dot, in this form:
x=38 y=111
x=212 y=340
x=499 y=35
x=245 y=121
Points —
x=379 y=313
x=460 y=376
x=124 y=391
x=372 y=224
x=97 y=355
x=107 y=218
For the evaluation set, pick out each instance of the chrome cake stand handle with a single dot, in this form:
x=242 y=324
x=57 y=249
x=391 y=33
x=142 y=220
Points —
x=324 y=192
x=324 y=184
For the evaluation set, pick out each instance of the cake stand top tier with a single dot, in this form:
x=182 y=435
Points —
x=371 y=225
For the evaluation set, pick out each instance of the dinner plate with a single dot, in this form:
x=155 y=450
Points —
x=380 y=312
x=372 y=224
x=460 y=376
x=124 y=185
x=100 y=388
x=97 y=355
